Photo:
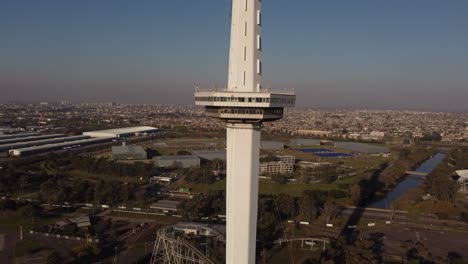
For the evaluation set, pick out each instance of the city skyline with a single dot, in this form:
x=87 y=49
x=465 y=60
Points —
x=363 y=55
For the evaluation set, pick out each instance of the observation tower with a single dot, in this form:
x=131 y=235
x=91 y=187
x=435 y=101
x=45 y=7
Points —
x=244 y=105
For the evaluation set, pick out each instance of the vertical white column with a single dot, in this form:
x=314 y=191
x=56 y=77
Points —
x=243 y=150
x=245 y=64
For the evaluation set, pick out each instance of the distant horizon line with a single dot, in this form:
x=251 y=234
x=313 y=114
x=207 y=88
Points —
x=301 y=107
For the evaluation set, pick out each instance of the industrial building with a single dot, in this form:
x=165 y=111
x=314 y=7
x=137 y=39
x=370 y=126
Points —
x=129 y=153
x=315 y=165
x=166 y=206
x=18 y=145
x=30 y=138
x=22 y=135
x=211 y=154
x=271 y=145
x=186 y=161
x=57 y=146
x=122 y=132
x=287 y=159
x=284 y=165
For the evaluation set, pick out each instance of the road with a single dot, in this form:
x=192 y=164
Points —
x=367 y=215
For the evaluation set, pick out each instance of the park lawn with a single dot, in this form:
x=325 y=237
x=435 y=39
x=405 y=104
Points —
x=293 y=254
x=294 y=189
x=363 y=161
x=26 y=246
x=206 y=188
x=350 y=180
x=93 y=176
x=11 y=221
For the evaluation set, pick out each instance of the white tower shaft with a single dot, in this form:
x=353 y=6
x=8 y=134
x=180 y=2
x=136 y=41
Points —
x=245 y=65
x=244 y=107
x=243 y=140
x=243 y=147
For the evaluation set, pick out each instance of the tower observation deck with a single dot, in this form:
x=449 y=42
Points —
x=244 y=105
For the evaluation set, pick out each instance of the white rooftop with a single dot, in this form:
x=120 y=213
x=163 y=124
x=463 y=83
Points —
x=463 y=174
x=126 y=130
x=117 y=132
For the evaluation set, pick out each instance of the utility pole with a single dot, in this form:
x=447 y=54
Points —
x=115 y=255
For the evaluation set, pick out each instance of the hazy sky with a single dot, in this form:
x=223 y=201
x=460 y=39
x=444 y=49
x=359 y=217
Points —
x=380 y=54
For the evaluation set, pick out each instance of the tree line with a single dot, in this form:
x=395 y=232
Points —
x=58 y=190
x=112 y=168
x=441 y=182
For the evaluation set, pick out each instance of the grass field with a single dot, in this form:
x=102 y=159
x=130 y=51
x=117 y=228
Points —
x=26 y=246
x=11 y=221
x=92 y=176
x=294 y=189
x=293 y=255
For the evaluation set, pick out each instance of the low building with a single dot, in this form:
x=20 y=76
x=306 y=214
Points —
x=58 y=138
x=276 y=167
x=70 y=143
x=315 y=165
x=284 y=165
x=166 y=206
x=82 y=222
x=186 y=161
x=377 y=135
x=129 y=153
x=162 y=179
x=211 y=154
x=463 y=180
x=287 y=158
x=327 y=143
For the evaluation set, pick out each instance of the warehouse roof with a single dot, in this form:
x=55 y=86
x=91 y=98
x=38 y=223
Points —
x=58 y=145
x=166 y=205
x=29 y=138
x=127 y=149
x=184 y=157
x=211 y=154
x=41 y=142
x=122 y=131
x=7 y=136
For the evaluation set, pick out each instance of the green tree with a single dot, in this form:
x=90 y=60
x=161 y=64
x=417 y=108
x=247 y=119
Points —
x=287 y=206
x=31 y=210
x=183 y=153
x=54 y=258
x=444 y=188
x=308 y=209
x=329 y=211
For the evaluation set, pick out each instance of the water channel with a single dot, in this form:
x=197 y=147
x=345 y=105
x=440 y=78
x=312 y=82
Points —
x=411 y=182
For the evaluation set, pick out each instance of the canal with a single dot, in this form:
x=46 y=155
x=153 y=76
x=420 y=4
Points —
x=410 y=182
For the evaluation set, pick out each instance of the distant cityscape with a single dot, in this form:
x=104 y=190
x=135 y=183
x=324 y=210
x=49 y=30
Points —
x=158 y=174
x=240 y=175
x=360 y=125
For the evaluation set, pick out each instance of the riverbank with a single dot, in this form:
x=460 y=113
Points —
x=409 y=182
x=393 y=179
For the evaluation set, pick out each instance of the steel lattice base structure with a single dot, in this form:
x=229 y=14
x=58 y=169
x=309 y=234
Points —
x=170 y=248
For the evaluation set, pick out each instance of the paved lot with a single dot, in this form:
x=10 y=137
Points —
x=438 y=242
x=7 y=248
